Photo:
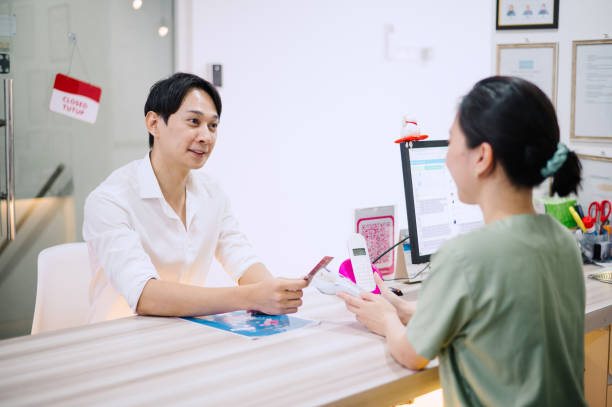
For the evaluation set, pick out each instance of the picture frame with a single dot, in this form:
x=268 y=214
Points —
x=591 y=111
x=527 y=14
x=596 y=178
x=535 y=62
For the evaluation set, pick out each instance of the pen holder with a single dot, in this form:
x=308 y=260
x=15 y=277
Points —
x=588 y=241
x=346 y=269
x=558 y=208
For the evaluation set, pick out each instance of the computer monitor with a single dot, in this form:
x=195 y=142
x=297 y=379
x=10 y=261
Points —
x=435 y=213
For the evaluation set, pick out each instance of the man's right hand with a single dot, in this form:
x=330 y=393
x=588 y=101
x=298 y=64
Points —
x=276 y=296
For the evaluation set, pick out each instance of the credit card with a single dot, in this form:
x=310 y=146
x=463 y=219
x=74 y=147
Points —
x=324 y=262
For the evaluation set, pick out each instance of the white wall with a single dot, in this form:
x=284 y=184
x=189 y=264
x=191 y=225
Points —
x=578 y=20
x=312 y=106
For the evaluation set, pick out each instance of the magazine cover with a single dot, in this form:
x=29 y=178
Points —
x=252 y=325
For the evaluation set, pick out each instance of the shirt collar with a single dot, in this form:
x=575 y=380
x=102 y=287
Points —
x=149 y=186
x=147 y=181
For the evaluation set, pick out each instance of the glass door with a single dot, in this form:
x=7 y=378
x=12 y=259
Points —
x=6 y=224
x=58 y=159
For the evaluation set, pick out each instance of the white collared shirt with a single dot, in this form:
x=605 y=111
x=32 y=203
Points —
x=134 y=235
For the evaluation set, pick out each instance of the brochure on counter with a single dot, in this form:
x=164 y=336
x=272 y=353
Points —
x=252 y=325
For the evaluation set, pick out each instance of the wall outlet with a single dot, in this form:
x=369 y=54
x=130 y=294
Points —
x=217 y=75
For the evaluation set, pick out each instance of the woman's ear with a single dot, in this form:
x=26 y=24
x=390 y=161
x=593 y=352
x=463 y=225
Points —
x=485 y=161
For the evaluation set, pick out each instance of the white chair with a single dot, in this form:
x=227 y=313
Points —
x=62 y=291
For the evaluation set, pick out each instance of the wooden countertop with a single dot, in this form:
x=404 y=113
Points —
x=170 y=361
x=598 y=301
x=162 y=361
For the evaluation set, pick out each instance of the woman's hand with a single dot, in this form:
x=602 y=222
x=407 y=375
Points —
x=380 y=314
x=404 y=308
x=374 y=311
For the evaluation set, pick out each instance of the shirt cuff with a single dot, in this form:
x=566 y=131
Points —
x=244 y=266
x=136 y=292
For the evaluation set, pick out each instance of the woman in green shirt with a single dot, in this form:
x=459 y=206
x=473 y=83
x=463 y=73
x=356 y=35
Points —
x=503 y=307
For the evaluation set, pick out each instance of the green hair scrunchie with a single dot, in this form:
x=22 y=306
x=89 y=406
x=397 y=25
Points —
x=556 y=161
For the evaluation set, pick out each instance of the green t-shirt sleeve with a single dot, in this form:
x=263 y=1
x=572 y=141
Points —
x=444 y=306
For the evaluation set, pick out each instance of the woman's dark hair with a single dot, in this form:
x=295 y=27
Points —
x=166 y=95
x=519 y=122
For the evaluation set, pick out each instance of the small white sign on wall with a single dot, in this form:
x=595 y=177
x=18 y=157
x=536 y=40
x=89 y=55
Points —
x=74 y=98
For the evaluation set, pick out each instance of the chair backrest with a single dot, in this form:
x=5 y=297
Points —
x=62 y=291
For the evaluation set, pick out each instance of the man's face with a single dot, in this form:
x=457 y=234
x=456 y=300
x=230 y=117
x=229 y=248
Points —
x=191 y=132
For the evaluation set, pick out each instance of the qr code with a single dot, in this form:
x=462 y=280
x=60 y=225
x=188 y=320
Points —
x=378 y=233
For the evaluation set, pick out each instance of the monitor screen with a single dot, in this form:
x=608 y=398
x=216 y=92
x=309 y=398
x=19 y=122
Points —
x=435 y=213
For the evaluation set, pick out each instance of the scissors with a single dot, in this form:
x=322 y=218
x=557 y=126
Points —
x=602 y=209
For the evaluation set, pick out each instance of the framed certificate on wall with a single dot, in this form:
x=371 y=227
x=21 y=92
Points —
x=596 y=179
x=591 y=116
x=536 y=63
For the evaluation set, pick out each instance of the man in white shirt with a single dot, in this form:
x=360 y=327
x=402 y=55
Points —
x=153 y=226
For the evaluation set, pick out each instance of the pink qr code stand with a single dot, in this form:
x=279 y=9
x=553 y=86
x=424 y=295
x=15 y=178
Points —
x=377 y=226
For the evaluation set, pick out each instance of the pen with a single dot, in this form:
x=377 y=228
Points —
x=577 y=219
x=396 y=291
x=579 y=210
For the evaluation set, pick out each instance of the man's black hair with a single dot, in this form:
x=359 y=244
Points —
x=166 y=95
